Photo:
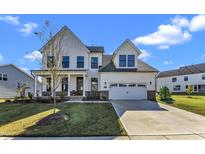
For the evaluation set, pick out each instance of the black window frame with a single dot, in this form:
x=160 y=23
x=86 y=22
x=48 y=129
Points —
x=131 y=58
x=80 y=61
x=65 y=62
x=186 y=78
x=50 y=61
x=48 y=84
x=174 y=79
x=177 y=88
x=94 y=84
x=94 y=64
x=122 y=60
x=1 y=76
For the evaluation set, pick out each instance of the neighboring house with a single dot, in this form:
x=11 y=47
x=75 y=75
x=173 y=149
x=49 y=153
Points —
x=87 y=72
x=10 y=77
x=179 y=79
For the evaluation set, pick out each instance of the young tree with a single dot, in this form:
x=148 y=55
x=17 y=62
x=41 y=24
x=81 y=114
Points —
x=164 y=93
x=51 y=57
x=21 y=90
x=189 y=90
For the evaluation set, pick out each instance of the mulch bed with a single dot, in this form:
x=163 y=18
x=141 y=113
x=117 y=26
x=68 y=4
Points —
x=53 y=119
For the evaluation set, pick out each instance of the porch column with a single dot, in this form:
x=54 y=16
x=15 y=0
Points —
x=84 y=85
x=69 y=84
x=35 y=85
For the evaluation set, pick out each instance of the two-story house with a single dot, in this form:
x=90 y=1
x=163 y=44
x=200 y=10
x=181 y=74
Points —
x=86 y=71
x=179 y=79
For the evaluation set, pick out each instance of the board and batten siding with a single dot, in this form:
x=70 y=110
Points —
x=8 y=88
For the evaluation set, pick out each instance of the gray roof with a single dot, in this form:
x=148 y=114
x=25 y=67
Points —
x=96 y=48
x=108 y=66
x=185 y=70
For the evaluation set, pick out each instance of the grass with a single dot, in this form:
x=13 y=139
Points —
x=84 y=120
x=195 y=104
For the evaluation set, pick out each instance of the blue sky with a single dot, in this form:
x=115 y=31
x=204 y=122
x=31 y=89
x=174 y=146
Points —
x=166 y=41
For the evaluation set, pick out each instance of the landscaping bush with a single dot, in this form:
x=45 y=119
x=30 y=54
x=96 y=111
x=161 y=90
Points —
x=30 y=95
x=164 y=93
x=189 y=90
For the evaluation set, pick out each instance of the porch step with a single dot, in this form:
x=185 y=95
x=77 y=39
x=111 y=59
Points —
x=76 y=98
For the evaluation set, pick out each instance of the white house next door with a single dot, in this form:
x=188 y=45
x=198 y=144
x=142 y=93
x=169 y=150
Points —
x=121 y=91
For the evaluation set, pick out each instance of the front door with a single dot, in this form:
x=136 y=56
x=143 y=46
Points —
x=79 y=85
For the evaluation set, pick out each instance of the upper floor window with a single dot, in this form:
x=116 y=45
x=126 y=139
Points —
x=186 y=78
x=50 y=61
x=94 y=62
x=203 y=76
x=174 y=79
x=65 y=62
x=131 y=60
x=122 y=60
x=3 y=77
x=80 y=61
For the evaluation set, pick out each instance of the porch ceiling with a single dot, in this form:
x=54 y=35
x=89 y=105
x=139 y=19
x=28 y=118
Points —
x=61 y=72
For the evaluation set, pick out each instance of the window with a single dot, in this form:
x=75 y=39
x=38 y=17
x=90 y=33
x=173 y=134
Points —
x=201 y=88
x=185 y=78
x=174 y=79
x=1 y=76
x=122 y=85
x=113 y=85
x=48 y=85
x=94 y=84
x=65 y=84
x=65 y=62
x=203 y=76
x=122 y=60
x=141 y=85
x=80 y=62
x=132 y=85
x=94 y=62
x=50 y=61
x=195 y=87
x=177 y=88
x=5 y=78
x=131 y=60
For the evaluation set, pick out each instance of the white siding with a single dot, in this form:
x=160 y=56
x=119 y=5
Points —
x=126 y=49
x=127 y=77
x=193 y=79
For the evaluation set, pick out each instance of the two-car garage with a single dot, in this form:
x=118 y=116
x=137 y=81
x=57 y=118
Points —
x=127 y=91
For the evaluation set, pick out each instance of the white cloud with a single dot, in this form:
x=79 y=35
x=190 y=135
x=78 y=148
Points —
x=197 y=23
x=10 y=19
x=34 y=56
x=180 y=21
x=166 y=35
x=144 y=55
x=162 y=47
x=28 y=28
x=1 y=58
x=168 y=62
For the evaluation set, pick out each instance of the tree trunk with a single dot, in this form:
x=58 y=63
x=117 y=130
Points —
x=54 y=97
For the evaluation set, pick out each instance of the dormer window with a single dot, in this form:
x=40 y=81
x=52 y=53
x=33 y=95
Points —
x=122 y=60
x=131 y=60
x=80 y=61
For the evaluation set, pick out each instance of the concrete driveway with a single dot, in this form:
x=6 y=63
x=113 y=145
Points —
x=150 y=120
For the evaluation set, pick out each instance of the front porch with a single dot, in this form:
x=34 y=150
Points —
x=68 y=83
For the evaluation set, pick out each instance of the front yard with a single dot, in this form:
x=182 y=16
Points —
x=196 y=104
x=84 y=120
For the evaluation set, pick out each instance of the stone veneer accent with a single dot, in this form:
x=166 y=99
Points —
x=151 y=95
x=104 y=95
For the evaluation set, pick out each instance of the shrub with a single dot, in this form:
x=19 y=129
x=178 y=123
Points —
x=30 y=95
x=164 y=93
x=189 y=90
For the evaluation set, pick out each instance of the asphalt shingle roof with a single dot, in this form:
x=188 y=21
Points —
x=185 y=70
x=108 y=66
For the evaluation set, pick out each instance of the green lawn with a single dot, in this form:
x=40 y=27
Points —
x=85 y=120
x=195 y=104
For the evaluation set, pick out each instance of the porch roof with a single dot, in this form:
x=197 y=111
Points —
x=60 y=71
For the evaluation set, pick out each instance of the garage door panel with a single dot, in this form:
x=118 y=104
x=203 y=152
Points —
x=128 y=93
